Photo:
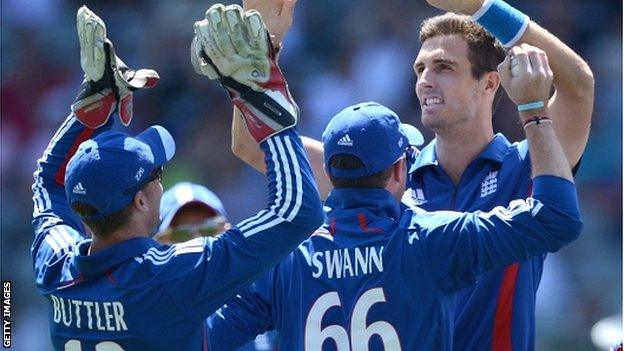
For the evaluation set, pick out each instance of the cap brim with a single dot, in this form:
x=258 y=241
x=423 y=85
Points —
x=414 y=136
x=160 y=141
x=166 y=221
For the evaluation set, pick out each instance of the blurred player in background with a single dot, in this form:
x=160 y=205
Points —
x=120 y=289
x=189 y=211
x=467 y=167
x=378 y=277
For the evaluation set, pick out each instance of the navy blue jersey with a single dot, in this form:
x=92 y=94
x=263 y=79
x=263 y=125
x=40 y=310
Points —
x=503 y=299
x=380 y=278
x=141 y=295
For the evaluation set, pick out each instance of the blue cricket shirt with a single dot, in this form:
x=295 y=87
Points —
x=139 y=295
x=498 y=312
x=377 y=277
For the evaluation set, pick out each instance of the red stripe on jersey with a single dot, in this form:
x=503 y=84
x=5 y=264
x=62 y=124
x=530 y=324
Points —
x=60 y=174
x=501 y=337
x=332 y=227
x=364 y=226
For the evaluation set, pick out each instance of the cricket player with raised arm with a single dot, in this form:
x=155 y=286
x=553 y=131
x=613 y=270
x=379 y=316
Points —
x=379 y=277
x=467 y=167
x=120 y=289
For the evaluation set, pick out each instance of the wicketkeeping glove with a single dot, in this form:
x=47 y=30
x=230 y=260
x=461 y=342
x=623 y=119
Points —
x=108 y=83
x=233 y=47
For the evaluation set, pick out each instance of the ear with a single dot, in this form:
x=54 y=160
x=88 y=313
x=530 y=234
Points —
x=492 y=82
x=140 y=201
x=398 y=171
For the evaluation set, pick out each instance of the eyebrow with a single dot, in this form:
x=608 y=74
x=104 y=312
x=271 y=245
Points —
x=436 y=61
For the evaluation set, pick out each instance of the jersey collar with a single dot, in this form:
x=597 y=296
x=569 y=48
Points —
x=110 y=257
x=346 y=201
x=495 y=151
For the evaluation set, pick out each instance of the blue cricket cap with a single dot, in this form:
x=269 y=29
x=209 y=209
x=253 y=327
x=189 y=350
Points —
x=185 y=193
x=108 y=170
x=371 y=132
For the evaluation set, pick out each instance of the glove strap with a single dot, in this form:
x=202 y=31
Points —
x=96 y=101
x=265 y=112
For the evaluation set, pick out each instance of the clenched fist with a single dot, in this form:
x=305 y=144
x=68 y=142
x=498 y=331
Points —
x=526 y=75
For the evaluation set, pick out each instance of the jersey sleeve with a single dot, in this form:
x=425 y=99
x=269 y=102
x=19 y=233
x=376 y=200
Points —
x=461 y=246
x=235 y=259
x=57 y=227
x=243 y=318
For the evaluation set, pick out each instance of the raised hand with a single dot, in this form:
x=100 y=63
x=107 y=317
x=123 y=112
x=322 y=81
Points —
x=108 y=82
x=526 y=75
x=233 y=47
x=277 y=15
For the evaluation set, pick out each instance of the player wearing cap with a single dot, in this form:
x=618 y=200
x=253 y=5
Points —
x=468 y=167
x=377 y=277
x=120 y=289
x=189 y=211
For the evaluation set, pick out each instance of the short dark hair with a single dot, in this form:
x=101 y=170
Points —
x=346 y=161
x=484 y=51
x=102 y=228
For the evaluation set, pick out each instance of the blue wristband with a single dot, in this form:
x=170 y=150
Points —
x=530 y=106
x=503 y=21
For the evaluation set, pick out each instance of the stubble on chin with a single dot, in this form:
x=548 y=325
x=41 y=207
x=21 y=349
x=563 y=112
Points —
x=432 y=122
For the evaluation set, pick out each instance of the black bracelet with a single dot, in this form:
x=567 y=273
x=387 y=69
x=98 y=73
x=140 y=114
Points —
x=536 y=120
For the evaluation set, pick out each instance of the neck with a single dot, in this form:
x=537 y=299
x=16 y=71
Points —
x=456 y=149
x=130 y=232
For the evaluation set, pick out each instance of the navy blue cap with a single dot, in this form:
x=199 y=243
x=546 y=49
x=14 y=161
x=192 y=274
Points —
x=184 y=193
x=108 y=170
x=371 y=132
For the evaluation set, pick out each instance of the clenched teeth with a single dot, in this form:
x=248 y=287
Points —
x=433 y=101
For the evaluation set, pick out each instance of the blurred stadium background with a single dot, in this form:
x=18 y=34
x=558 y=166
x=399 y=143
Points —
x=337 y=53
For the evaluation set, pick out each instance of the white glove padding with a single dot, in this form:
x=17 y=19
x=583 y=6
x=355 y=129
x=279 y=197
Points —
x=233 y=47
x=108 y=83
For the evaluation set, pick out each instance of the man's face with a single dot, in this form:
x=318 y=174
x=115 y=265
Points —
x=447 y=91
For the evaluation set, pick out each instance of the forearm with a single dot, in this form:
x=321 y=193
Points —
x=314 y=150
x=239 y=256
x=244 y=146
x=294 y=209
x=246 y=149
x=572 y=75
x=571 y=106
x=547 y=155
